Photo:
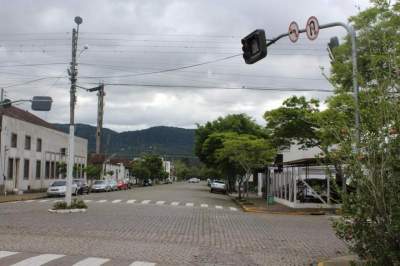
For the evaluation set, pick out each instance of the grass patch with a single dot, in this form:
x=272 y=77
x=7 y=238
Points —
x=75 y=204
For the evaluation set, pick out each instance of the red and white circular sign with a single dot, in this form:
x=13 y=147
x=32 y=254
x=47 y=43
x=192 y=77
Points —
x=312 y=28
x=294 y=31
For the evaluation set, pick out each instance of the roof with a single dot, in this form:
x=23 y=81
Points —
x=26 y=116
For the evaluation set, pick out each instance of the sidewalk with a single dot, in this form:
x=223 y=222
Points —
x=27 y=196
x=255 y=204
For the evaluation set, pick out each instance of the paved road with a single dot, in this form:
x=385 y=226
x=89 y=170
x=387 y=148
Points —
x=145 y=233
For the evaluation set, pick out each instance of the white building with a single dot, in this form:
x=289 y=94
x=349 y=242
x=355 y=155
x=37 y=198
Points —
x=115 y=171
x=33 y=153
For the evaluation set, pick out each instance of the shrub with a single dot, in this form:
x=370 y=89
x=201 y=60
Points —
x=60 y=205
x=78 y=204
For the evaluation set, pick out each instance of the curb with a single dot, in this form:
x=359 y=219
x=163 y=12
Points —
x=258 y=210
x=342 y=261
x=14 y=198
x=67 y=210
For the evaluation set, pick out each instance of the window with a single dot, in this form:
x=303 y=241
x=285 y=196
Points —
x=38 y=169
x=57 y=170
x=39 y=145
x=14 y=138
x=27 y=142
x=26 y=169
x=63 y=151
x=10 y=171
x=47 y=170
x=53 y=170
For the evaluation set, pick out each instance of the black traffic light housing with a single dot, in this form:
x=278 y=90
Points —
x=254 y=46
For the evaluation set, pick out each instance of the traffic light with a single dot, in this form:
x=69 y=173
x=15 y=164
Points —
x=254 y=46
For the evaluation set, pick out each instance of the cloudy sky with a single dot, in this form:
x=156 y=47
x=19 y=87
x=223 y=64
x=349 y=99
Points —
x=129 y=39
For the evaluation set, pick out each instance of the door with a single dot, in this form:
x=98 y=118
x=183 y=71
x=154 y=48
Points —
x=16 y=177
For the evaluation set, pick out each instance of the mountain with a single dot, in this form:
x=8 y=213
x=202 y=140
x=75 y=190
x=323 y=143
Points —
x=169 y=141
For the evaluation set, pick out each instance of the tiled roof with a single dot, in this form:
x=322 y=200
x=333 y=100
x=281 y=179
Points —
x=23 y=115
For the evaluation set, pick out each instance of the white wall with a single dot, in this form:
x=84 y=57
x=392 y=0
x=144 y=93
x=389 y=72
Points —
x=52 y=142
x=119 y=171
x=295 y=153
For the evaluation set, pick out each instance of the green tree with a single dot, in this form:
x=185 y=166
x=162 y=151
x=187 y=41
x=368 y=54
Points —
x=140 y=171
x=92 y=172
x=207 y=143
x=181 y=170
x=154 y=165
x=247 y=151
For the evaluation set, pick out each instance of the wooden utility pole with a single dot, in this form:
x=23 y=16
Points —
x=100 y=112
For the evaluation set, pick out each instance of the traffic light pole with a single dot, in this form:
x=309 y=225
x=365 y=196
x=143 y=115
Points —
x=352 y=34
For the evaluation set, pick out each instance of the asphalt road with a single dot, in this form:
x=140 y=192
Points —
x=178 y=224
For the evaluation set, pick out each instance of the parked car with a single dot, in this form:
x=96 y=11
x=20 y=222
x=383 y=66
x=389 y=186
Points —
x=83 y=188
x=100 y=185
x=147 y=182
x=194 y=180
x=168 y=181
x=113 y=184
x=209 y=181
x=122 y=185
x=218 y=186
x=59 y=187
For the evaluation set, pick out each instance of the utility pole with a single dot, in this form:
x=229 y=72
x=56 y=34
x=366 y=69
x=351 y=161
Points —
x=100 y=113
x=73 y=73
x=2 y=95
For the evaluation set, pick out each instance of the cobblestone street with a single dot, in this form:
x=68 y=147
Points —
x=133 y=226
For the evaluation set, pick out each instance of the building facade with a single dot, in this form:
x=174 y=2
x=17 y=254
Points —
x=33 y=153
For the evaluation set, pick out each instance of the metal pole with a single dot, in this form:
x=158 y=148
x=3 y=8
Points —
x=71 y=149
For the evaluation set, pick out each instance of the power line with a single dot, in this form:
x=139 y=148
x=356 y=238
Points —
x=263 y=88
x=28 y=65
x=29 y=81
x=170 y=69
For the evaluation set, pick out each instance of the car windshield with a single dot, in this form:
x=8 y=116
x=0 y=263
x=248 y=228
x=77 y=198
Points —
x=99 y=182
x=58 y=183
x=219 y=182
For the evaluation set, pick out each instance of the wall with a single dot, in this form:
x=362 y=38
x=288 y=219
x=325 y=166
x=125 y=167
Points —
x=52 y=142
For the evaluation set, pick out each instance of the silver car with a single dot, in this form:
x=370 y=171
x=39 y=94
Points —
x=113 y=184
x=100 y=185
x=218 y=185
x=59 y=187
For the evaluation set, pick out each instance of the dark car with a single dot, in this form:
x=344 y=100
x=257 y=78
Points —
x=83 y=188
x=147 y=182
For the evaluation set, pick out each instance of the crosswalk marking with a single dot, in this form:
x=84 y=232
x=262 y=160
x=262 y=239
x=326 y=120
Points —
x=42 y=259
x=87 y=200
x=160 y=202
x=146 y=201
x=175 y=203
x=233 y=208
x=4 y=254
x=43 y=200
x=204 y=205
x=189 y=204
x=31 y=200
x=116 y=201
x=142 y=263
x=103 y=200
x=131 y=201
x=92 y=261
x=38 y=260
x=218 y=207
x=57 y=200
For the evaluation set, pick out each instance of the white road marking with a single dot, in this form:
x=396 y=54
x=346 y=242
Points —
x=160 y=202
x=175 y=203
x=87 y=200
x=31 y=200
x=4 y=254
x=38 y=260
x=189 y=204
x=233 y=208
x=218 y=207
x=131 y=201
x=146 y=201
x=116 y=201
x=43 y=200
x=103 y=200
x=57 y=200
x=91 y=261
x=204 y=205
x=142 y=263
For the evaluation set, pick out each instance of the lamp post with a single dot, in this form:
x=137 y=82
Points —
x=73 y=73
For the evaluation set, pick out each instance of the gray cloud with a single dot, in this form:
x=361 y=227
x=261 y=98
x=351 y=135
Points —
x=130 y=37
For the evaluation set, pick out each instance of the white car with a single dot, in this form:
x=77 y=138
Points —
x=59 y=187
x=218 y=185
x=194 y=180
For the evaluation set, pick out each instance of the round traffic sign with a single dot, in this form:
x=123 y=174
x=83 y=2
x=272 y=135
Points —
x=312 y=28
x=293 y=31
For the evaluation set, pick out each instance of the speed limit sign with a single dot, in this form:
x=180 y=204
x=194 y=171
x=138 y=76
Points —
x=312 y=28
